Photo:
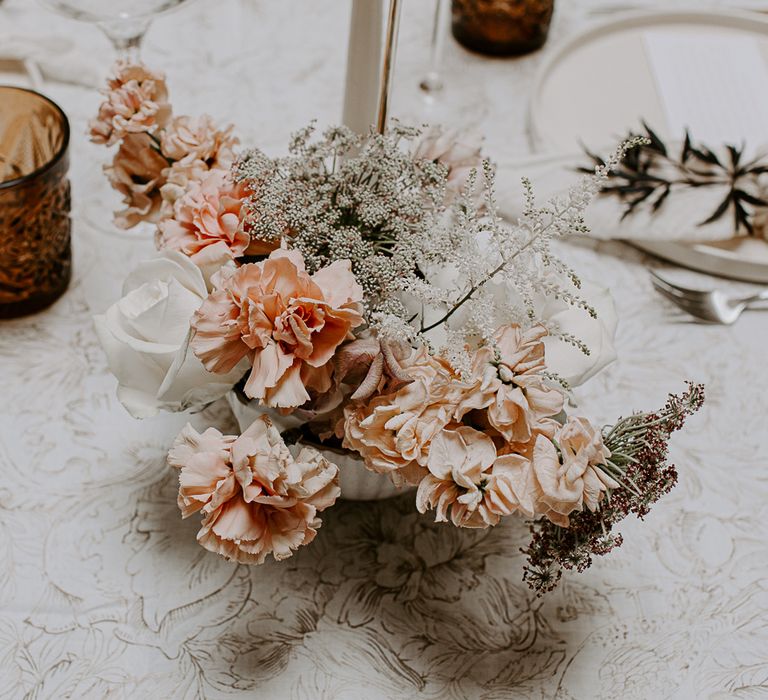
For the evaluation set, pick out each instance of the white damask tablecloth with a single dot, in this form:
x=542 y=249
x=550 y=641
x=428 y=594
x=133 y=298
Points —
x=103 y=590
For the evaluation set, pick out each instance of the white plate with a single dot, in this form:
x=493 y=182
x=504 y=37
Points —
x=598 y=86
x=739 y=258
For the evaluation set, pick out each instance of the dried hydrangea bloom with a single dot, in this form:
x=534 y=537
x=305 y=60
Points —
x=286 y=322
x=459 y=151
x=206 y=223
x=255 y=497
x=137 y=173
x=573 y=479
x=137 y=101
x=393 y=431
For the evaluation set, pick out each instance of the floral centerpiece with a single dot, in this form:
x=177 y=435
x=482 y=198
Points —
x=372 y=315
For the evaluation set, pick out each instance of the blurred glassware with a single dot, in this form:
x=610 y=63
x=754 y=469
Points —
x=35 y=251
x=502 y=27
x=125 y=22
x=432 y=82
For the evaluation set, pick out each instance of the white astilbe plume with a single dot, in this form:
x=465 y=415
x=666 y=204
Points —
x=489 y=254
x=427 y=262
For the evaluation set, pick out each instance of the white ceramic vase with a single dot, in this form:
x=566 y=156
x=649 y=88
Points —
x=357 y=483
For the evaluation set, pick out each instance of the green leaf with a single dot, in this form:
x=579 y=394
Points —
x=656 y=143
x=750 y=199
x=735 y=154
x=595 y=158
x=721 y=209
x=704 y=154
x=741 y=218
x=686 y=152
x=660 y=199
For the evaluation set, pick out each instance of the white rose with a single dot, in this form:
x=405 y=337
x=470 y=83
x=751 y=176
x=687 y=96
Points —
x=596 y=333
x=145 y=336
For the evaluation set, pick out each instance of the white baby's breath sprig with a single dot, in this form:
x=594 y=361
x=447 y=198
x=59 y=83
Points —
x=370 y=201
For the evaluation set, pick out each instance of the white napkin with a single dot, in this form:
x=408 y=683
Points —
x=678 y=219
x=50 y=57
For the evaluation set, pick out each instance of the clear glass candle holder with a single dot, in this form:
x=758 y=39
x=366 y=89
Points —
x=35 y=226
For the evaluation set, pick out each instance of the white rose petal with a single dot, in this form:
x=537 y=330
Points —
x=145 y=336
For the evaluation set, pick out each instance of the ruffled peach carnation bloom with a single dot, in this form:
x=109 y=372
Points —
x=567 y=482
x=524 y=404
x=393 y=431
x=256 y=498
x=286 y=322
x=469 y=483
x=201 y=147
x=511 y=486
x=195 y=146
x=191 y=139
x=137 y=101
x=136 y=172
x=206 y=473
x=206 y=223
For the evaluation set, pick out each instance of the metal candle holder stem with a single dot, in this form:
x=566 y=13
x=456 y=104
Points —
x=387 y=64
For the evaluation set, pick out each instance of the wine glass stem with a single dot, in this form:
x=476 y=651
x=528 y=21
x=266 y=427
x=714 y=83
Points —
x=129 y=50
x=127 y=38
x=433 y=80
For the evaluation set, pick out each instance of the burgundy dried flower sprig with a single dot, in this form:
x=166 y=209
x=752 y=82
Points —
x=639 y=449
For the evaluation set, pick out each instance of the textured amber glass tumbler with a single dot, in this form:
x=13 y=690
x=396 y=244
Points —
x=502 y=27
x=35 y=251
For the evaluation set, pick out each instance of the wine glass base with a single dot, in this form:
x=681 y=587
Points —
x=431 y=83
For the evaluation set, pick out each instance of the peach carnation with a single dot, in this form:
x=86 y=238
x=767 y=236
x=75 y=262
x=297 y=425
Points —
x=206 y=223
x=574 y=478
x=469 y=483
x=137 y=101
x=191 y=139
x=256 y=498
x=286 y=322
x=136 y=172
x=195 y=146
x=393 y=431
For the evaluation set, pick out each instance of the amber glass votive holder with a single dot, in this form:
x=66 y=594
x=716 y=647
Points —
x=501 y=27
x=35 y=227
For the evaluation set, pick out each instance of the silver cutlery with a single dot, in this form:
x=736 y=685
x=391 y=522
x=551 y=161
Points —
x=713 y=306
